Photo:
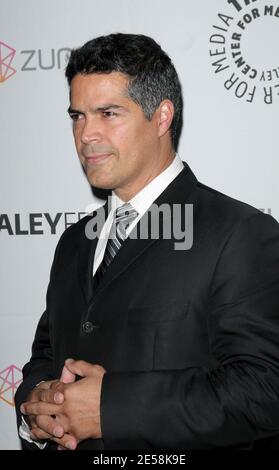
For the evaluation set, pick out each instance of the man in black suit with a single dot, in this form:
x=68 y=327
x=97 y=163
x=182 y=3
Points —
x=173 y=343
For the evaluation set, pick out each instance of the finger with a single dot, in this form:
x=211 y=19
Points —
x=36 y=392
x=49 y=426
x=67 y=442
x=39 y=408
x=58 y=387
x=81 y=368
x=37 y=434
x=42 y=386
x=39 y=391
x=52 y=395
x=47 y=384
x=67 y=376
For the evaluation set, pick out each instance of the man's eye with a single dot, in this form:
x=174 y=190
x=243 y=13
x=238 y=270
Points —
x=75 y=117
x=109 y=114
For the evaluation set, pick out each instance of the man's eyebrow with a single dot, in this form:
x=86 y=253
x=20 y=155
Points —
x=99 y=108
x=73 y=111
x=109 y=106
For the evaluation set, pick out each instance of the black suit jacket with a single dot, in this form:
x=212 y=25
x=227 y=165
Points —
x=189 y=338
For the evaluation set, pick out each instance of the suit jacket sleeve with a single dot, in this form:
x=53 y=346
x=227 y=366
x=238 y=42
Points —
x=238 y=401
x=40 y=366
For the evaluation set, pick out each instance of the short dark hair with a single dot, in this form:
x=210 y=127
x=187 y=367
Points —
x=151 y=73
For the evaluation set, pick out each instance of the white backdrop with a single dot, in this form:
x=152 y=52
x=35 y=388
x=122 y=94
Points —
x=229 y=136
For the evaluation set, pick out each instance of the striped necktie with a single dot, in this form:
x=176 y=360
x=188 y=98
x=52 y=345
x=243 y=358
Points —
x=123 y=217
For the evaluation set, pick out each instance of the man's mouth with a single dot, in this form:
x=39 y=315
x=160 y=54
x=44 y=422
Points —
x=97 y=158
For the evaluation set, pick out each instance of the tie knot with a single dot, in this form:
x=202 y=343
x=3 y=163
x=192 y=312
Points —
x=125 y=214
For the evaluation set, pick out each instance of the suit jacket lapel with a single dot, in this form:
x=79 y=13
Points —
x=87 y=248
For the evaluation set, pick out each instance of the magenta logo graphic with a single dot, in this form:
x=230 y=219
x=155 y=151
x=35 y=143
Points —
x=7 y=54
x=10 y=379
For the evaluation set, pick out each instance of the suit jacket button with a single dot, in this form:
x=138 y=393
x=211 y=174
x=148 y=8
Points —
x=88 y=327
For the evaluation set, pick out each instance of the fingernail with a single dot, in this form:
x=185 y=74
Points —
x=58 y=432
x=70 y=445
x=58 y=398
x=69 y=361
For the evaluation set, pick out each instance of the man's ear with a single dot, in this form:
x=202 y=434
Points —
x=164 y=113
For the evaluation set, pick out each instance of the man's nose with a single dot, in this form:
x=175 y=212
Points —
x=91 y=131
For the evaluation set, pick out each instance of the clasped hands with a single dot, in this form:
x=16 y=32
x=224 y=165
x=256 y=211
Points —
x=67 y=411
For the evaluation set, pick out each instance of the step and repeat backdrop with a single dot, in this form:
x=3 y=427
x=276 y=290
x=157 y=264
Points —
x=226 y=54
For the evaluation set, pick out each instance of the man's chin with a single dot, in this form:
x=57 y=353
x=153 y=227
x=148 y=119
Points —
x=98 y=180
x=100 y=183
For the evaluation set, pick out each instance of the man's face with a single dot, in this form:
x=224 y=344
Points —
x=117 y=145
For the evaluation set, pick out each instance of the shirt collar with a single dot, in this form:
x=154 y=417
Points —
x=143 y=200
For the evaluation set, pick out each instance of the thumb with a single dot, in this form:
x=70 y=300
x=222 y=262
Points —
x=81 y=368
x=67 y=377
